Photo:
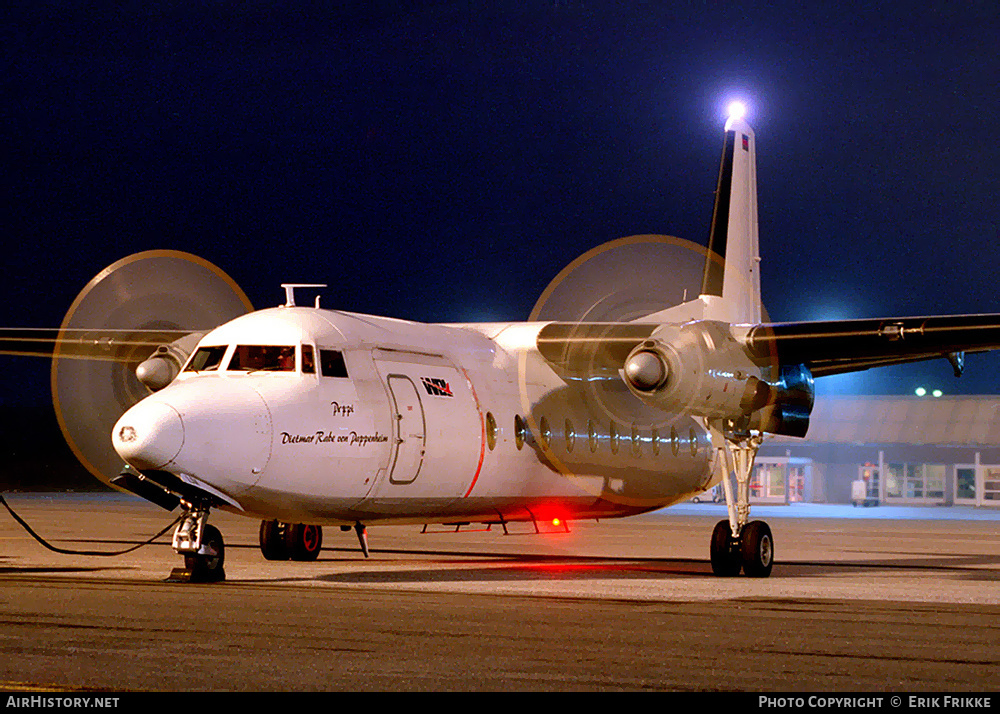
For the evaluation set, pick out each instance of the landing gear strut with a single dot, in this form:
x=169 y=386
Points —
x=739 y=543
x=201 y=545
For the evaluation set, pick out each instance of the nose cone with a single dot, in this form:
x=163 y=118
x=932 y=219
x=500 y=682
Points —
x=149 y=435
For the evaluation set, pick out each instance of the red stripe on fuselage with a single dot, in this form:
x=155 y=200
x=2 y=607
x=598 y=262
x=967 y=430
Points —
x=482 y=437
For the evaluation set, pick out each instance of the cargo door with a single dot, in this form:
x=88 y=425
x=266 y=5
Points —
x=410 y=433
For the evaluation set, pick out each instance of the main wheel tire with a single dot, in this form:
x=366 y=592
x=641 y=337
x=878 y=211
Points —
x=725 y=557
x=272 y=540
x=303 y=541
x=208 y=567
x=757 y=546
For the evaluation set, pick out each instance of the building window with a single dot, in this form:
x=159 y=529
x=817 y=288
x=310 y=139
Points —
x=915 y=482
x=991 y=484
x=965 y=483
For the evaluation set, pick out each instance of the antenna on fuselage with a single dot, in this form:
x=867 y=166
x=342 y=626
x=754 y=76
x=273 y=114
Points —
x=290 y=292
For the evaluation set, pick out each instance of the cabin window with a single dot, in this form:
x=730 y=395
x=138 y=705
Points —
x=675 y=441
x=636 y=444
x=519 y=431
x=546 y=432
x=570 y=436
x=308 y=361
x=694 y=442
x=656 y=442
x=206 y=358
x=331 y=363
x=491 y=430
x=592 y=435
x=614 y=438
x=263 y=358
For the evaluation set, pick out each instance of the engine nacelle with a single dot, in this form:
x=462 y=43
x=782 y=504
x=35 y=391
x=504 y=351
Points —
x=698 y=368
x=160 y=368
x=791 y=403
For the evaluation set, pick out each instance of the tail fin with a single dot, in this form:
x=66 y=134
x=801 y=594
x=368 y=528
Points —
x=730 y=287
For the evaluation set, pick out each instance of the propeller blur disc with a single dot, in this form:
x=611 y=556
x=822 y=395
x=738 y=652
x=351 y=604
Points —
x=623 y=280
x=619 y=281
x=153 y=290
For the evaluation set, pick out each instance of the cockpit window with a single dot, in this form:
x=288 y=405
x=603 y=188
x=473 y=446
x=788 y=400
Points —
x=206 y=358
x=268 y=358
x=331 y=363
x=308 y=363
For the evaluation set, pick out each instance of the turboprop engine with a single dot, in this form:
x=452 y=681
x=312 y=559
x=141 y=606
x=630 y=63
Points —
x=166 y=362
x=702 y=369
x=695 y=367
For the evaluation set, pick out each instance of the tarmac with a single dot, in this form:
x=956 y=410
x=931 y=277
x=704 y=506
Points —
x=860 y=599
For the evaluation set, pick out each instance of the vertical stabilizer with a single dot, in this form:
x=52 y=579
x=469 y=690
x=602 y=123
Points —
x=730 y=285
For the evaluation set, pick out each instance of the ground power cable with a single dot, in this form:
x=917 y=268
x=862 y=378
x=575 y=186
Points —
x=64 y=551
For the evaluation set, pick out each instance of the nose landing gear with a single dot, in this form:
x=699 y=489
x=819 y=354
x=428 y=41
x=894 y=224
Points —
x=201 y=545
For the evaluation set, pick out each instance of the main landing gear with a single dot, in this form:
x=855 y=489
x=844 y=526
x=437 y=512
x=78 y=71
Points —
x=738 y=543
x=296 y=541
x=290 y=541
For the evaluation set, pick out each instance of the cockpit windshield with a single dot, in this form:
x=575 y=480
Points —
x=206 y=358
x=269 y=358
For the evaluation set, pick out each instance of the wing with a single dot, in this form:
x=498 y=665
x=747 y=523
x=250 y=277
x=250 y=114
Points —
x=590 y=350
x=596 y=350
x=754 y=376
x=129 y=346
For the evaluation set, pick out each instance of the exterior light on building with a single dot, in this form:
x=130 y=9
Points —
x=920 y=391
x=937 y=393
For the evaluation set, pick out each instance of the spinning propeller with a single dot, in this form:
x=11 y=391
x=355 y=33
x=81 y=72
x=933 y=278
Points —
x=610 y=311
x=146 y=311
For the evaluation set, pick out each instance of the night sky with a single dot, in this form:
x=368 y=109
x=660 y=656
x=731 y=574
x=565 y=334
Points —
x=442 y=161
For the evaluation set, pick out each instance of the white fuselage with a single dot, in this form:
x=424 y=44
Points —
x=411 y=423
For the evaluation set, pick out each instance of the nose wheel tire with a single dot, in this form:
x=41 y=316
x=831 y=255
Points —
x=206 y=566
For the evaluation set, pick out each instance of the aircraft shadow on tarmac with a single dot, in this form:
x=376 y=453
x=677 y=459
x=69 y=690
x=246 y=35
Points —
x=490 y=567
x=38 y=570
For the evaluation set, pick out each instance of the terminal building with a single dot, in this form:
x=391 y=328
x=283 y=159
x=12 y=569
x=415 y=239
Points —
x=891 y=450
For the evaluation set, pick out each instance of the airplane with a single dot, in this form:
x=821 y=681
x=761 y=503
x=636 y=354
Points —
x=305 y=417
